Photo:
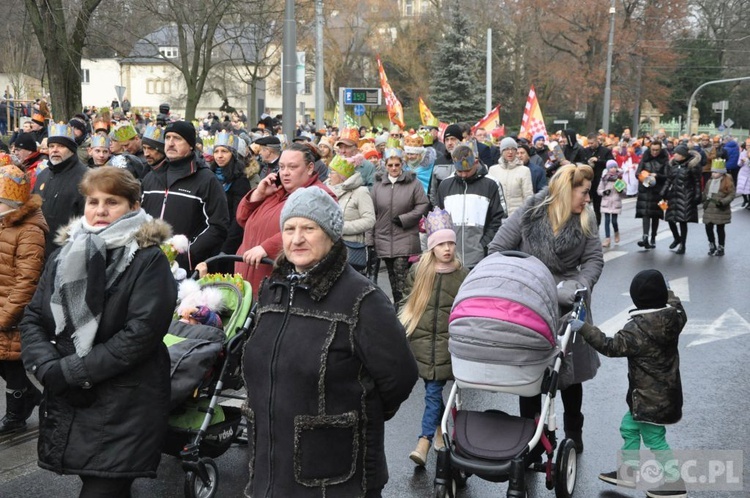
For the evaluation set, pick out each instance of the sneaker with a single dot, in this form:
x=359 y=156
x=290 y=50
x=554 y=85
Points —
x=673 y=490
x=617 y=479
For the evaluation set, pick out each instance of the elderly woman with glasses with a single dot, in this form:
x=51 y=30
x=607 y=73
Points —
x=400 y=202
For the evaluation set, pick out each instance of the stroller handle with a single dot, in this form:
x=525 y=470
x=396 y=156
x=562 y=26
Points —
x=229 y=257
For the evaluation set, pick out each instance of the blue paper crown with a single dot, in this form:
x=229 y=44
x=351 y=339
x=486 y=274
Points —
x=393 y=152
x=225 y=139
x=99 y=140
x=61 y=130
x=154 y=133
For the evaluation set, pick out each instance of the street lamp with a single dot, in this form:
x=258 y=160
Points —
x=608 y=85
x=289 y=73
x=692 y=97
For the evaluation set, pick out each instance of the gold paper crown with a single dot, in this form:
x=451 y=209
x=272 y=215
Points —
x=225 y=139
x=14 y=184
x=413 y=141
x=341 y=166
x=426 y=137
x=349 y=134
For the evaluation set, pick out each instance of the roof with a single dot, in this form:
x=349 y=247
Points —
x=237 y=43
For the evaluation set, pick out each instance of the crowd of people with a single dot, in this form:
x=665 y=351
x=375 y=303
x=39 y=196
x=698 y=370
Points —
x=95 y=197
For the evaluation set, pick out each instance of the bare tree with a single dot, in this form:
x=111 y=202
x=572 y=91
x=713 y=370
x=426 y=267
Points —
x=62 y=39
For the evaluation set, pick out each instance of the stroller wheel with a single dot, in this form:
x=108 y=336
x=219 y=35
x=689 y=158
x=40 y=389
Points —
x=566 y=466
x=441 y=491
x=456 y=483
x=195 y=487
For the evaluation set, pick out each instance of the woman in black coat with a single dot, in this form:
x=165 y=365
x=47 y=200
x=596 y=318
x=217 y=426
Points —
x=682 y=191
x=92 y=335
x=654 y=163
x=326 y=365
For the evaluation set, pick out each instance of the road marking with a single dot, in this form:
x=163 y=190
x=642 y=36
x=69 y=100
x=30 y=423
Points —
x=610 y=255
x=681 y=288
x=614 y=324
x=729 y=325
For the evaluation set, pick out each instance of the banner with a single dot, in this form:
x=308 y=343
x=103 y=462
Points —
x=490 y=121
x=428 y=119
x=395 y=110
x=532 y=122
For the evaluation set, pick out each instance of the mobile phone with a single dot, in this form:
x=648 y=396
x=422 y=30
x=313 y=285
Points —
x=277 y=181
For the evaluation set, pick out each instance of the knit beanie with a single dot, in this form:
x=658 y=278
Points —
x=15 y=187
x=538 y=136
x=454 y=130
x=62 y=134
x=25 y=141
x=439 y=228
x=611 y=164
x=682 y=150
x=508 y=143
x=184 y=129
x=648 y=290
x=314 y=204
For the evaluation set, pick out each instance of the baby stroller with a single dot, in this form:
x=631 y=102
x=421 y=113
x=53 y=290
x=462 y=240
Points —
x=206 y=361
x=503 y=338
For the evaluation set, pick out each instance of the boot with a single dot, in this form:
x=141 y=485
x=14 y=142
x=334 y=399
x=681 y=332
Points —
x=32 y=398
x=606 y=243
x=719 y=251
x=644 y=242
x=653 y=241
x=419 y=455
x=574 y=429
x=675 y=243
x=680 y=249
x=437 y=441
x=617 y=237
x=711 y=248
x=13 y=421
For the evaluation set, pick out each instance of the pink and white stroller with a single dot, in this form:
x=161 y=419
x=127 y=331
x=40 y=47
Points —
x=504 y=338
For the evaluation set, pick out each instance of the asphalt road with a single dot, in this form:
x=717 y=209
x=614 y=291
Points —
x=713 y=365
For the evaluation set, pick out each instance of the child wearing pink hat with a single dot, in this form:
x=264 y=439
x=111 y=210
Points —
x=431 y=287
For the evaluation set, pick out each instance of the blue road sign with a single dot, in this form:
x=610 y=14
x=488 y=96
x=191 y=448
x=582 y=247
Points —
x=359 y=110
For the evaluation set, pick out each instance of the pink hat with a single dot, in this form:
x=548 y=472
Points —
x=439 y=228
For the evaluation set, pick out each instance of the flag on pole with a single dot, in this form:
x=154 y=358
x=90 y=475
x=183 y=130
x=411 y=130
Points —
x=532 y=122
x=428 y=119
x=490 y=121
x=395 y=110
x=349 y=121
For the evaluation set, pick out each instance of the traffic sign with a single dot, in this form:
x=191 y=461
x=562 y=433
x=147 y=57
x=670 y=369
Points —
x=359 y=110
x=363 y=96
x=120 y=92
x=721 y=128
x=728 y=123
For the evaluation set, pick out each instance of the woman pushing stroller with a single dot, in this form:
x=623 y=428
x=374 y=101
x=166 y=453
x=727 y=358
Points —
x=558 y=227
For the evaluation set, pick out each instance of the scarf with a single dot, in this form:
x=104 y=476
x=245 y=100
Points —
x=445 y=267
x=222 y=178
x=713 y=187
x=87 y=266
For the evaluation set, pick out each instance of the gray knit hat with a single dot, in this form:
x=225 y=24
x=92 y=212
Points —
x=508 y=143
x=316 y=205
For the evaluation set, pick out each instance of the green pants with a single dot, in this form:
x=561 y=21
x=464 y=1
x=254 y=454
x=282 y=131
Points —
x=632 y=431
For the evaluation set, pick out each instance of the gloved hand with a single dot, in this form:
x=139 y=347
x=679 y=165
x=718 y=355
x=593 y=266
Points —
x=575 y=325
x=397 y=221
x=566 y=293
x=54 y=380
x=606 y=192
x=719 y=204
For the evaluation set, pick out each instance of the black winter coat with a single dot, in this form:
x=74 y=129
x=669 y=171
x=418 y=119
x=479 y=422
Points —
x=573 y=151
x=58 y=187
x=239 y=186
x=326 y=365
x=682 y=190
x=112 y=419
x=647 y=203
x=186 y=194
x=650 y=342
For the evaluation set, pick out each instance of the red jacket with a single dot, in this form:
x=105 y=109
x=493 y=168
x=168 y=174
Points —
x=261 y=223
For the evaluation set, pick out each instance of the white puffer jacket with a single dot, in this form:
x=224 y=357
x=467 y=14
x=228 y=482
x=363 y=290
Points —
x=515 y=179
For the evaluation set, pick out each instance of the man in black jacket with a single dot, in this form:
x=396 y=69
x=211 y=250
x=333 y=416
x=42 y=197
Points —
x=58 y=184
x=185 y=193
x=597 y=156
x=572 y=150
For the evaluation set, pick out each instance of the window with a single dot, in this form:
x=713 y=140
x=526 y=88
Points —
x=169 y=52
x=85 y=76
x=158 y=86
x=409 y=8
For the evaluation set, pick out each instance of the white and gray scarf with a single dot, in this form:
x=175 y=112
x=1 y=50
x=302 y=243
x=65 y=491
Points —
x=87 y=265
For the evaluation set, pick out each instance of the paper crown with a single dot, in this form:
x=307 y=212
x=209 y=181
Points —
x=341 y=166
x=465 y=155
x=364 y=141
x=60 y=130
x=5 y=159
x=395 y=129
x=99 y=140
x=101 y=125
x=14 y=184
x=124 y=131
x=349 y=134
x=413 y=140
x=225 y=139
x=437 y=219
x=393 y=143
x=426 y=137
x=241 y=147
x=38 y=118
x=393 y=152
x=154 y=133
x=719 y=166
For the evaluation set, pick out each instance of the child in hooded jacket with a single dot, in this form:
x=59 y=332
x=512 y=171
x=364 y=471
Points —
x=649 y=340
x=611 y=205
x=431 y=288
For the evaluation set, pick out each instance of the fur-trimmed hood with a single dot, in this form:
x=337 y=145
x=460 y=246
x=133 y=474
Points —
x=29 y=212
x=151 y=233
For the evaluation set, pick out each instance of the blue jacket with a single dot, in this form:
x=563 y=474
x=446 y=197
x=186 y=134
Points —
x=733 y=154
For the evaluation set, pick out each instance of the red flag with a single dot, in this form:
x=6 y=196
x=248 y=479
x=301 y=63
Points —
x=395 y=110
x=532 y=122
x=489 y=121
